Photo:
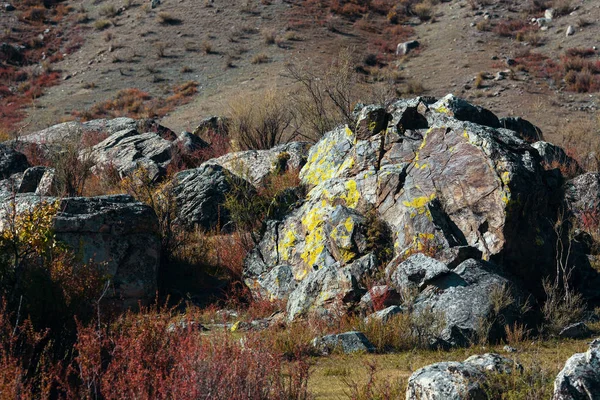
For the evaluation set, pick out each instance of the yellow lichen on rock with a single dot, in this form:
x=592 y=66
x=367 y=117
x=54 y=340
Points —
x=286 y=246
x=314 y=243
x=352 y=194
x=342 y=235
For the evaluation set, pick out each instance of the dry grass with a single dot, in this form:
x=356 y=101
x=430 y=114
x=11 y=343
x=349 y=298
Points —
x=102 y=24
x=541 y=359
x=166 y=18
x=260 y=58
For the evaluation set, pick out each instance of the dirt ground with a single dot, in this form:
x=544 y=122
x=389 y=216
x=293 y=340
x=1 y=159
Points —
x=452 y=54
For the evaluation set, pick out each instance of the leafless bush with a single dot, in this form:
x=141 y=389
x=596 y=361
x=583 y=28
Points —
x=261 y=121
x=325 y=100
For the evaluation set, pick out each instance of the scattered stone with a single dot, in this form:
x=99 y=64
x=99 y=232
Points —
x=570 y=31
x=385 y=315
x=347 y=343
x=9 y=7
x=578 y=330
x=404 y=48
x=549 y=13
x=154 y=3
x=509 y=349
x=543 y=22
x=580 y=377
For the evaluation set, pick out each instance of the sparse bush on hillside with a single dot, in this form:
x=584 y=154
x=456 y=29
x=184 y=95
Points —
x=261 y=121
x=325 y=100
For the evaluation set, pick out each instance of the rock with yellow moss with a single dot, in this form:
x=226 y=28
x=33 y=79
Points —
x=442 y=176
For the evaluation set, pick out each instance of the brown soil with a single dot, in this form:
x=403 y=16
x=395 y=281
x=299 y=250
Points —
x=452 y=54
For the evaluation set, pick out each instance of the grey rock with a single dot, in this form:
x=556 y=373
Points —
x=555 y=156
x=580 y=377
x=128 y=150
x=525 y=129
x=415 y=272
x=347 y=343
x=406 y=47
x=9 y=7
x=385 y=315
x=578 y=330
x=256 y=165
x=570 y=31
x=457 y=380
x=462 y=298
x=200 y=194
x=120 y=235
x=11 y=161
x=73 y=130
x=446 y=381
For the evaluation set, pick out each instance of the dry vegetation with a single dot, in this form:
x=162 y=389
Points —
x=24 y=74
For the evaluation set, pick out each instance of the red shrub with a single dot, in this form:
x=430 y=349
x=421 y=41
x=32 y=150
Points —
x=156 y=356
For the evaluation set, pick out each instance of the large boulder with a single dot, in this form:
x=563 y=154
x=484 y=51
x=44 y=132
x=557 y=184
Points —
x=457 y=380
x=422 y=175
x=472 y=300
x=580 y=377
x=200 y=194
x=120 y=235
x=117 y=233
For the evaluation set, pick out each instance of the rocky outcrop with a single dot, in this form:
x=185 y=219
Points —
x=419 y=176
x=457 y=380
x=580 y=378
